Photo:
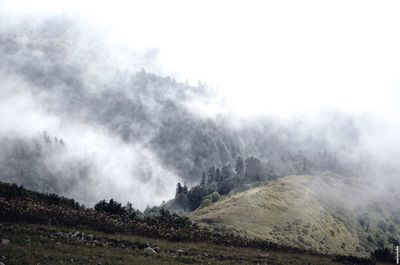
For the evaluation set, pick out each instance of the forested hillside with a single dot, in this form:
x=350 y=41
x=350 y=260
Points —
x=62 y=72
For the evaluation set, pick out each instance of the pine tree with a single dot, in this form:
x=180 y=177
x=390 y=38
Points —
x=225 y=172
x=203 y=179
x=254 y=169
x=179 y=189
x=185 y=189
x=239 y=168
x=211 y=175
x=217 y=175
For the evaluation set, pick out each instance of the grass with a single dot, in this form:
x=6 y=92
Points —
x=35 y=244
x=285 y=212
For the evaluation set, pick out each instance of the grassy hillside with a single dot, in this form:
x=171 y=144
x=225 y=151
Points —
x=48 y=245
x=289 y=212
x=38 y=228
x=370 y=212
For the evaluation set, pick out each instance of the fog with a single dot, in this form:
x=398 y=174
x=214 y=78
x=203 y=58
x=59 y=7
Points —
x=126 y=172
x=80 y=71
x=261 y=57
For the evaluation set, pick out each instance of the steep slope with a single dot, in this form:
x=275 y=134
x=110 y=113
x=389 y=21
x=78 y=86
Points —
x=62 y=73
x=64 y=69
x=367 y=206
x=287 y=212
x=67 y=81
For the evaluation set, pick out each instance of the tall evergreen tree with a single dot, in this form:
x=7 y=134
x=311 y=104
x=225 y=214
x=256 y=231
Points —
x=211 y=175
x=217 y=175
x=203 y=179
x=179 y=189
x=225 y=173
x=254 y=169
x=239 y=168
x=185 y=189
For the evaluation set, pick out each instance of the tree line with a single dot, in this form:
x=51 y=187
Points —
x=220 y=181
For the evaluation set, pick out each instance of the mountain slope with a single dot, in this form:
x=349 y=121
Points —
x=286 y=212
x=63 y=69
x=59 y=73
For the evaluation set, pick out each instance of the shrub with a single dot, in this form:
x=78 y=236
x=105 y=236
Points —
x=13 y=191
x=205 y=203
x=111 y=207
x=215 y=196
x=383 y=254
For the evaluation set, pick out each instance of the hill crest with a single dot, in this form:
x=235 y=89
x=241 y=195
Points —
x=285 y=211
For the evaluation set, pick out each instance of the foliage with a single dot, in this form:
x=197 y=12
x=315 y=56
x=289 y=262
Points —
x=164 y=224
x=383 y=254
x=254 y=169
x=37 y=163
x=13 y=191
x=214 y=196
x=195 y=196
x=220 y=181
x=210 y=198
x=205 y=202
x=239 y=168
x=111 y=207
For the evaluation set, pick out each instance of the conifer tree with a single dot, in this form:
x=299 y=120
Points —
x=179 y=189
x=239 y=168
x=185 y=189
x=217 y=175
x=203 y=179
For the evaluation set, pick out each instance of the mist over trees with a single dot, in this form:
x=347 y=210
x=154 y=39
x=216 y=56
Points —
x=40 y=163
x=51 y=64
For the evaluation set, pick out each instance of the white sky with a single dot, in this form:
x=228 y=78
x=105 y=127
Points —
x=263 y=56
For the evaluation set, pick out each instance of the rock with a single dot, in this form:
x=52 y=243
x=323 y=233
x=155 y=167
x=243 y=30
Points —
x=58 y=243
x=149 y=251
x=1 y=263
x=156 y=249
x=180 y=251
x=5 y=241
x=60 y=234
x=90 y=237
x=263 y=255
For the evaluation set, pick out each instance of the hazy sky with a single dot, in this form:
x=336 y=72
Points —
x=264 y=57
